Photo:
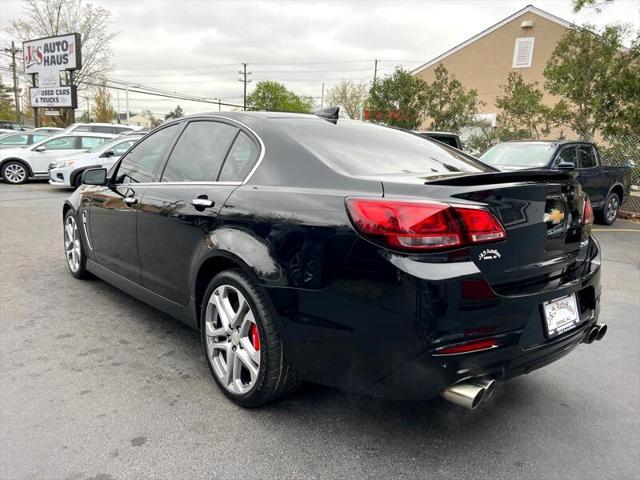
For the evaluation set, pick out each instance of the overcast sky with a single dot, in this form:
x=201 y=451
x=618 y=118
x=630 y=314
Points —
x=197 y=47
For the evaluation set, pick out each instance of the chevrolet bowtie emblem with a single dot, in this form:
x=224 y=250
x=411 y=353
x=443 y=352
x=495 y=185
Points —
x=555 y=216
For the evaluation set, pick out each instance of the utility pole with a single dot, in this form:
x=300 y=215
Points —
x=126 y=101
x=118 y=104
x=244 y=80
x=375 y=70
x=322 y=98
x=13 y=50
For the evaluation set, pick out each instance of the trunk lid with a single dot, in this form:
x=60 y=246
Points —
x=541 y=211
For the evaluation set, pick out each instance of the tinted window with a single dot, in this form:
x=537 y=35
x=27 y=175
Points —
x=14 y=140
x=568 y=155
x=101 y=129
x=63 y=143
x=140 y=164
x=587 y=157
x=82 y=128
x=241 y=158
x=359 y=148
x=122 y=129
x=90 y=142
x=199 y=152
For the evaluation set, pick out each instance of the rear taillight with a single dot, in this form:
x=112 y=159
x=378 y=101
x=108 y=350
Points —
x=423 y=226
x=587 y=213
x=468 y=347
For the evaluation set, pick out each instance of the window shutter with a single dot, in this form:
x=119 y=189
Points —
x=523 y=52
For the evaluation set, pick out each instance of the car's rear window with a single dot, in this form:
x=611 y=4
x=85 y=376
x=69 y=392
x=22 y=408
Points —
x=360 y=148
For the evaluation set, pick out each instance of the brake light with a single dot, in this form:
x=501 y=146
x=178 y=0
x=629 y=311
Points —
x=423 y=226
x=468 y=347
x=587 y=213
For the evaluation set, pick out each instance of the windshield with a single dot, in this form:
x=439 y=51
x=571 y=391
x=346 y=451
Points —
x=360 y=148
x=519 y=155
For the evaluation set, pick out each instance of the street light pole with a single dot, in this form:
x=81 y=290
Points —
x=13 y=50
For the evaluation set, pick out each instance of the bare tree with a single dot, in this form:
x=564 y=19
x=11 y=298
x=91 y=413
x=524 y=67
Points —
x=102 y=109
x=350 y=96
x=44 y=18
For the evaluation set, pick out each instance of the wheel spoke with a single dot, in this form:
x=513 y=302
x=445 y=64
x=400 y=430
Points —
x=213 y=331
x=251 y=351
x=243 y=357
x=238 y=315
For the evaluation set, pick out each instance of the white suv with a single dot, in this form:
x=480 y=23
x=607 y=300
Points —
x=67 y=172
x=17 y=165
x=113 y=128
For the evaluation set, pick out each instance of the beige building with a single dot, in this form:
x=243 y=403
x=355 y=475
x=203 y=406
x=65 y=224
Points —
x=141 y=121
x=521 y=43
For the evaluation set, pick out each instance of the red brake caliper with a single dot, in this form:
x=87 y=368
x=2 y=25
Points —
x=255 y=337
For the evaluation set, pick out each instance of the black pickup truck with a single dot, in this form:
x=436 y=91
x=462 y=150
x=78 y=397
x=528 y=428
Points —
x=607 y=186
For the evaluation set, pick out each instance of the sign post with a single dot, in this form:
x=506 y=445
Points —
x=45 y=59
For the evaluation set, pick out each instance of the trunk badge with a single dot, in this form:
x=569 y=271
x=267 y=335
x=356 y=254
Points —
x=554 y=217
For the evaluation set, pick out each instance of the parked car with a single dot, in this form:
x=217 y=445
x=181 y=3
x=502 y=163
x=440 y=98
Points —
x=608 y=187
x=7 y=126
x=68 y=171
x=17 y=165
x=111 y=128
x=344 y=253
x=451 y=139
x=49 y=130
x=21 y=140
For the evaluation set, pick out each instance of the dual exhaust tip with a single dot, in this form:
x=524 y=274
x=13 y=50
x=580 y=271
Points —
x=596 y=333
x=470 y=394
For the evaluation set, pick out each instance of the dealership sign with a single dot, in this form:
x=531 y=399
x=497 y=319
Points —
x=48 y=56
x=54 y=97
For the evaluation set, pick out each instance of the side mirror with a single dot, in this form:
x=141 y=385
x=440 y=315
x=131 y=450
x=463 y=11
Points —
x=94 y=176
x=566 y=166
x=109 y=153
x=41 y=148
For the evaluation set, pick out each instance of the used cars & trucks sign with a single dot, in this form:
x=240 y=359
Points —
x=53 y=97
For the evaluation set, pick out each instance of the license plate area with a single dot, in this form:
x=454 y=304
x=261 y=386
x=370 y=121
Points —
x=561 y=315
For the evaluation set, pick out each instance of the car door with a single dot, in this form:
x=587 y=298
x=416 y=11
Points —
x=177 y=214
x=590 y=175
x=114 y=208
x=44 y=153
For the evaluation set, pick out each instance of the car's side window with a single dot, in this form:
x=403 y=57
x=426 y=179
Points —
x=91 y=142
x=83 y=128
x=587 y=157
x=240 y=160
x=14 y=140
x=39 y=138
x=122 y=147
x=63 y=143
x=199 y=152
x=568 y=155
x=141 y=163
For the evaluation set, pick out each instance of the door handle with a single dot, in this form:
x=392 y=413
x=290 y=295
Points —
x=202 y=202
x=130 y=201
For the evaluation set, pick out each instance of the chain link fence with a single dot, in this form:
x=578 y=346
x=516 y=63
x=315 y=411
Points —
x=624 y=151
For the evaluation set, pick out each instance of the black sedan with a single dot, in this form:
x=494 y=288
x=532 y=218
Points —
x=306 y=247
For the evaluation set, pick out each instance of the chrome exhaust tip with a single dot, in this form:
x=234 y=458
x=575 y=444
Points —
x=489 y=385
x=467 y=395
x=591 y=336
x=602 y=331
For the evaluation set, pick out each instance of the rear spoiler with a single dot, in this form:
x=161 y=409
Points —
x=507 y=177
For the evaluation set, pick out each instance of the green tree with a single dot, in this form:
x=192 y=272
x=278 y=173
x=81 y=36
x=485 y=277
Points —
x=350 y=96
x=397 y=100
x=103 y=112
x=177 y=113
x=275 y=97
x=597 y=78
x=7 y=107
x=448 y=105
x=484 y=136
x=522 y=115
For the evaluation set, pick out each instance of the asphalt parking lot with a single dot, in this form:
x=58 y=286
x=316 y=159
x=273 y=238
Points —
x=96 y=385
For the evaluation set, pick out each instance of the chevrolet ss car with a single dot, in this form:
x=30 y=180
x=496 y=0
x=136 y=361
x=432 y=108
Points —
x=307 y=247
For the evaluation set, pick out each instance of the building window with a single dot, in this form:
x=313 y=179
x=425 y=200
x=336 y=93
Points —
x=523 y=52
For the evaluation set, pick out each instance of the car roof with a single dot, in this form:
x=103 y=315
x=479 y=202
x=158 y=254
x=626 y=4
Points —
x=550 y=142
x=433 y=132
x=86 y=134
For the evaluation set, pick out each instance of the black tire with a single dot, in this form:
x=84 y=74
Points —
x=608 y=214
x=15 y=172
x=77 y=180
x=275 y=378
x=80 y=271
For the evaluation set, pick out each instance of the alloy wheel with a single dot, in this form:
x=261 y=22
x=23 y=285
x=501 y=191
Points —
x=72 y=246
x=232 y=339
x=15 y=173
x=612 y=208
